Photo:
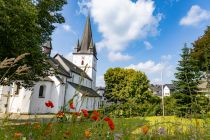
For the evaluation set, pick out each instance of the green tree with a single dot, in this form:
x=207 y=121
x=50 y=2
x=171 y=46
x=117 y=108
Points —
x=125 y=84
x=24 y=26
x=187 y=79
x=201 y=50
x=201 y=53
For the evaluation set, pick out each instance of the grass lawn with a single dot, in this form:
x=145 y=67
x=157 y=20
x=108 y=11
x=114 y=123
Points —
x=137 y=128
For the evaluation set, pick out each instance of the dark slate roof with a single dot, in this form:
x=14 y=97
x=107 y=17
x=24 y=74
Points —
x=87 y=45
x=170 y=86
x=100 y=88
x=86 y=91
x=58 y=67
x=46 y=79
x=73 y=67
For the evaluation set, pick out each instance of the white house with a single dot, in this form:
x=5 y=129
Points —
x=73 y=80
x=167 y=89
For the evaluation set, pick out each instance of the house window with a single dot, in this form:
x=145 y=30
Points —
x=16 y=88
x=42 y=89
x=82 y=62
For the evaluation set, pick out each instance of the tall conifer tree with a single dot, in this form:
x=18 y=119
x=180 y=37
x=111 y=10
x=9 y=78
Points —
x=187 y=79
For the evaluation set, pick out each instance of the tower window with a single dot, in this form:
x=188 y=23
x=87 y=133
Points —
x=82 y=62
x=42 y=89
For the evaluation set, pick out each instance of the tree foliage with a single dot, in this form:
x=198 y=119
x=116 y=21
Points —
x=201 y=50
x=125 y=84
x=24 y=26
x=187 y=79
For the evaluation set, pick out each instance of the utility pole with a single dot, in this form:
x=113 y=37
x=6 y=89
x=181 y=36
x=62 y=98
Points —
x=162 y=93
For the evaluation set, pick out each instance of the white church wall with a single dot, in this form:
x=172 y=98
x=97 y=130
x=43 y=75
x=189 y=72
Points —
x=76 y=79
x=37 y=104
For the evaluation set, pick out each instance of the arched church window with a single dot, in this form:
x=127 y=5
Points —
x=42 y=89
x=82 y=62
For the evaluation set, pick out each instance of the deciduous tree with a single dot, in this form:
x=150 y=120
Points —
x=24 y=26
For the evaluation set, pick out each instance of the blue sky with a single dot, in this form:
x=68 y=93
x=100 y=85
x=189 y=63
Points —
x=145 y=35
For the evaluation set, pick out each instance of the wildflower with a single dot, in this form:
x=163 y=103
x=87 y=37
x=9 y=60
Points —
x=196 y=123
x=85 y=112
x=95 y=113
x=47 y=132
x=17 y=135
x=66 y=134
x=49 y=104
x=37 y=126
x=87 y=133
x=110 y=123
x=71 y=105
x=145 y=129
x=161 y=131
x=49 y=125
x=77 y=113
x=60 y=114
x=95 y=118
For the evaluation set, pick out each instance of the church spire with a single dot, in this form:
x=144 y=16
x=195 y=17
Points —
x=87 y=44
x=87 y=36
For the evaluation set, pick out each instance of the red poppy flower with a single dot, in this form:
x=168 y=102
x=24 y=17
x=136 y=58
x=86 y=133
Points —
x=60 y=114
x=95 y=118
x=71 y=105
x=110 y=123
x=49 y=104
x=85 y=112
x=95 y=113
x=107 y=119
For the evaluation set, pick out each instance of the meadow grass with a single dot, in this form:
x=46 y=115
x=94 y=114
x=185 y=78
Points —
x=157 y=127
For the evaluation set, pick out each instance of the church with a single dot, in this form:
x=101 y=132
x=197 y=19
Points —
x=74 y=81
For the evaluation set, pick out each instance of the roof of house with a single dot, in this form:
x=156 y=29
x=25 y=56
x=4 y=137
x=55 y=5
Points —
x=86 y=91
x=58 y=67
x=87 y=45
x=74 y=68
x=170 y=86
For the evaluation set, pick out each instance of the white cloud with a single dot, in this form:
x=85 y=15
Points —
x=153 y=70
x=100 y=81
x=122 y=21
x=117 y=56
x=148 y=45
x=195 y=16
x=68 y=28
x=166 y=57
x=84 y=7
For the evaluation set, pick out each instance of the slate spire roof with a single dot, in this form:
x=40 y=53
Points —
x=86 y=46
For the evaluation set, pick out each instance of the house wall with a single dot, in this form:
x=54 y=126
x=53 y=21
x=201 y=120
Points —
x=166 y=91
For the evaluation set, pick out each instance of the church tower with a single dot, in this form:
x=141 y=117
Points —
x=85 y=55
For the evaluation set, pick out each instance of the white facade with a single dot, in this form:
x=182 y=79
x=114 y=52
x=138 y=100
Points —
x=166 y=91
x=87 y=62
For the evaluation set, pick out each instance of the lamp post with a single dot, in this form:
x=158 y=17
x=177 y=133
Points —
x=162 y=94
